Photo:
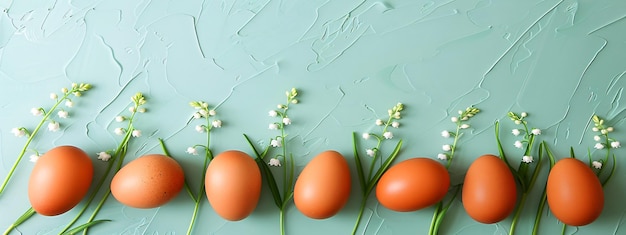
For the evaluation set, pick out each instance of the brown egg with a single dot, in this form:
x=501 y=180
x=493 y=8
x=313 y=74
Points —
x=60 y=179
x=233 y=184
x=323 y=187
x=413 y=184
x=489 y=190
x=575 y=194
x=148 y=181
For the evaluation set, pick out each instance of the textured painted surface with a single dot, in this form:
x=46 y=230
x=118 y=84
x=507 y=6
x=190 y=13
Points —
x=559 y=60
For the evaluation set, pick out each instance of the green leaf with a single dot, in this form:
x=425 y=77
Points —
x=544 y=197
x=27 y=214
x=518 y=177
x=384 y=167
x=550 y=155
x=267 y=173
x=500 y=148
x=611 y=172
x=84 y=226
x=359 y=166
x=271 y=181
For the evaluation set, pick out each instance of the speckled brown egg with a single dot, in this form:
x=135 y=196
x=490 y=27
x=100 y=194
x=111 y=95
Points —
x=148 y=181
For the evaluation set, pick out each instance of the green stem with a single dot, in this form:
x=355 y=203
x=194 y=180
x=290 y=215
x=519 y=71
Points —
x=93 y=215
x=539 y=214
x=442 y=210
x=456 y=139
x=563 y=229
x=30 y=212
x=208 y=157
x=193 y=217
x=31 y=136
x=518 y=212
x=282 y=221
x=360 y=215
x=432 y=230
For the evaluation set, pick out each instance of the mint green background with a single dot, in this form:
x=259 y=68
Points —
x=560 y=61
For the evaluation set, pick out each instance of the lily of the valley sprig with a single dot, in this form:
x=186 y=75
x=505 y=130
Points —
x=54 y=125
x=369 y=178
x=206 y=115
x=116 y=155
x=448 y=155
x=527 y=161
x=284 y=159
x=461 y=124
x=603 y=142
x=76 y=90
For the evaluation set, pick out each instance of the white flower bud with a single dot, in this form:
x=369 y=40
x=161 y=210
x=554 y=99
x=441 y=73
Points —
x=366 y=136
x=104 y=156
x=388 y=135
x=119 y=131
x=274 y=162
x=535 y=131
x=272 y=113
x=442 y=156
x=599 y=146
x=615 y=144
x=192 y=151
x=597 y=164
x=527 y=159
x=445 y=134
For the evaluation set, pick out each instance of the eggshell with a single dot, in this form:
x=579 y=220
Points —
x=575 y=194
x=489 y=190
x=149 y=181
x=323 y=187
x=233 y=185
x=60 y=179
x=413 y=184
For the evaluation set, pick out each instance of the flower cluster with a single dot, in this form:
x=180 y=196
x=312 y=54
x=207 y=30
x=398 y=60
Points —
x=203 y=111
x=208 y=114
x=280 y=199
x=460 y=121
x=369 y=174
x=53 y=125
x=528 y=134
x=138 y=101
x=284 y=120
x=603 y=141
x=76 y=90
x=394 y=115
